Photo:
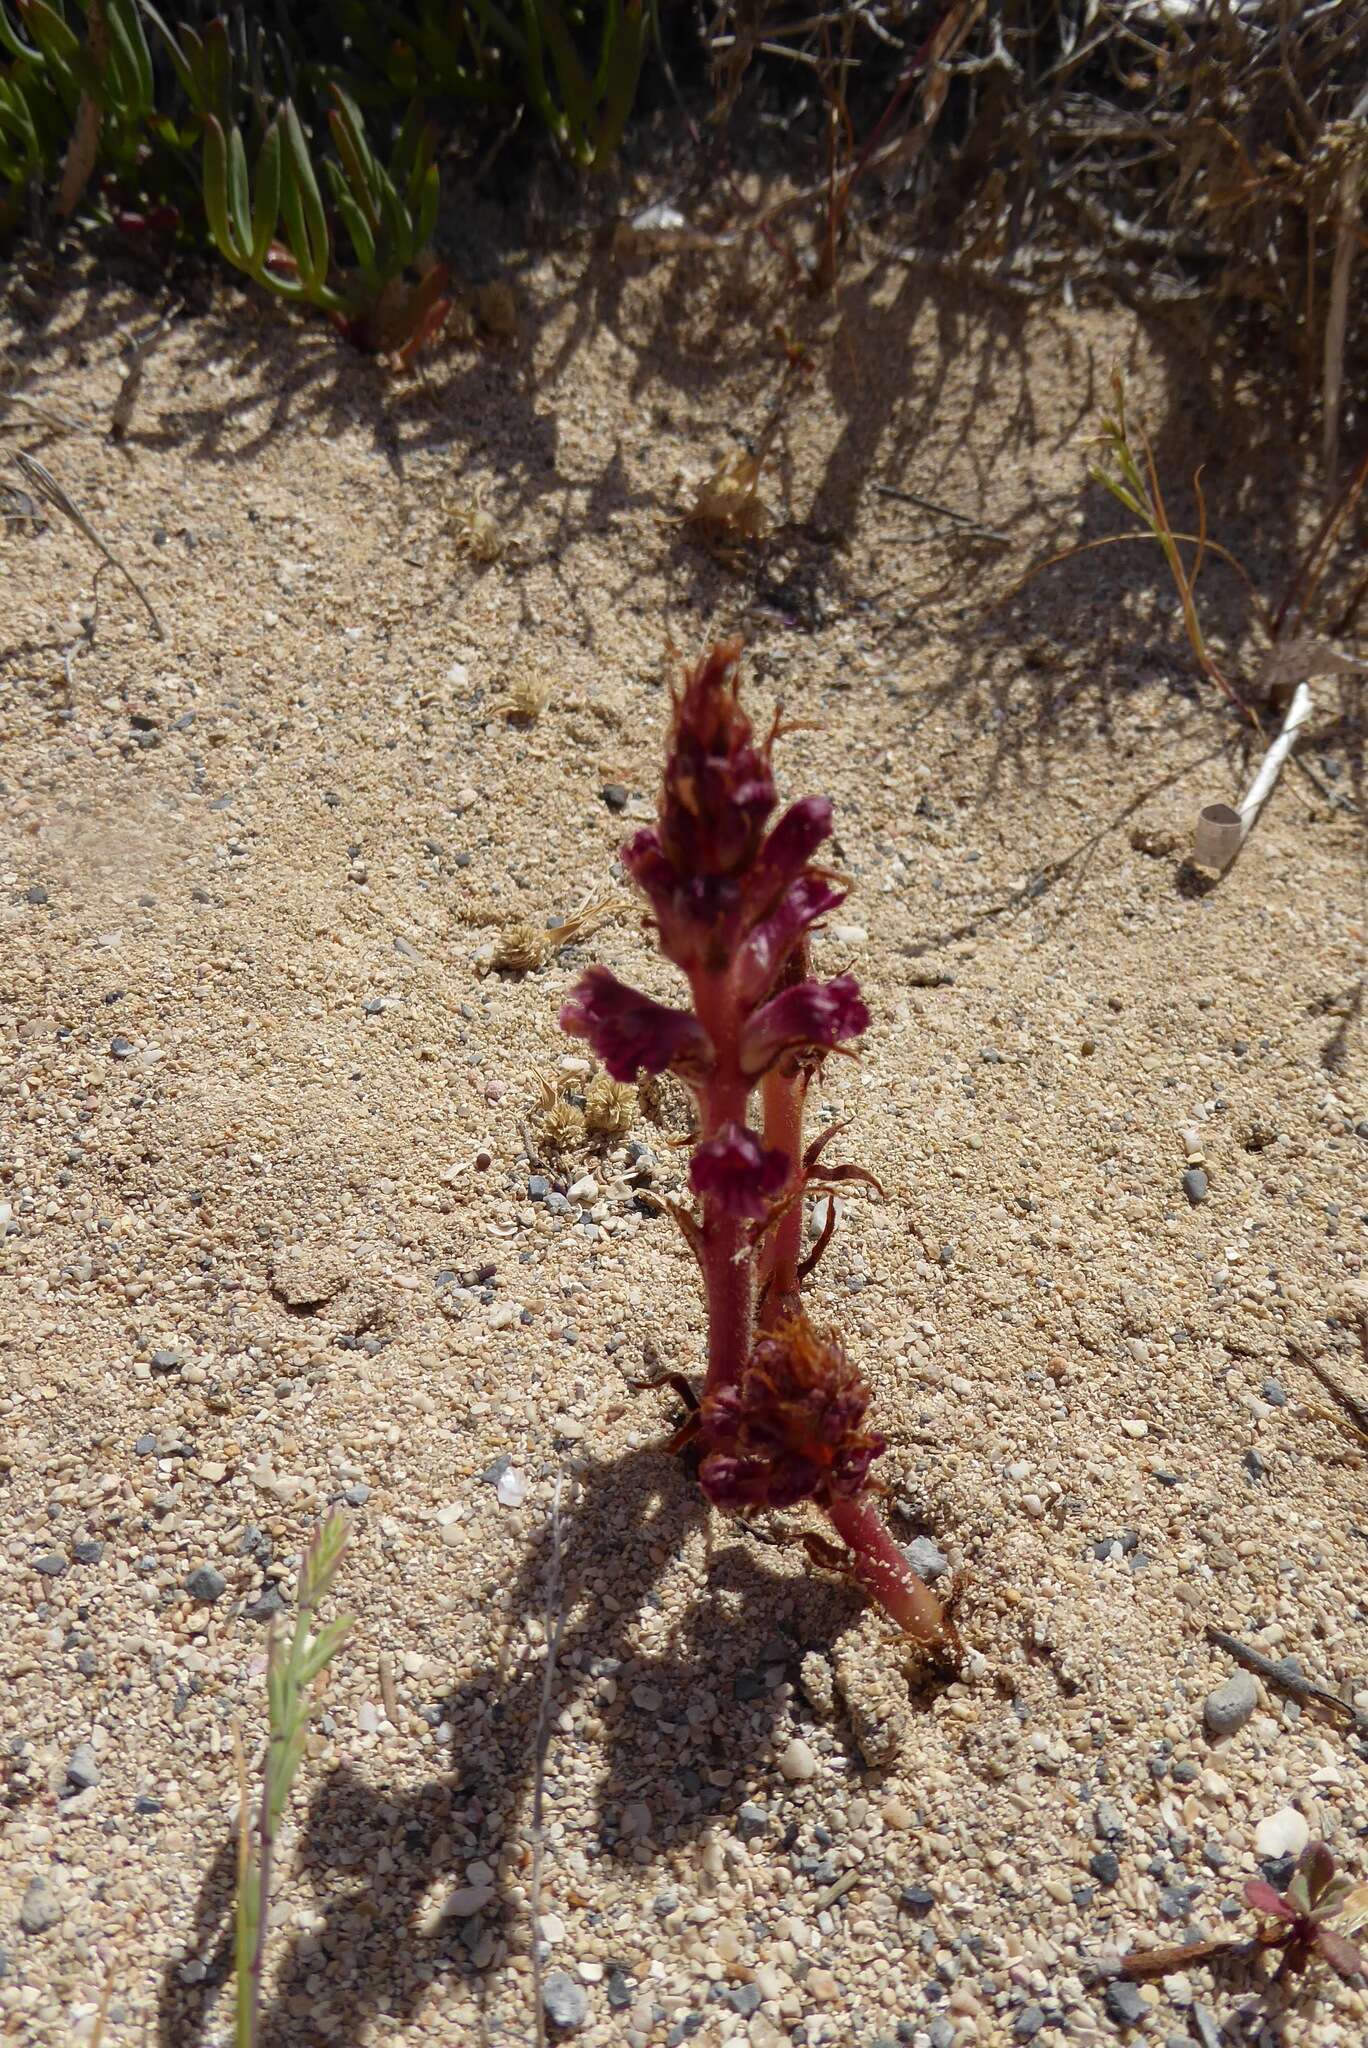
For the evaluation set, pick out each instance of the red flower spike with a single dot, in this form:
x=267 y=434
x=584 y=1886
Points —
x=736 y=1170
x=630 y=1031
x=733 y=899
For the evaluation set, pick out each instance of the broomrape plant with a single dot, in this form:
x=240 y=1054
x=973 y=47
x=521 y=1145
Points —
x=783 y=1414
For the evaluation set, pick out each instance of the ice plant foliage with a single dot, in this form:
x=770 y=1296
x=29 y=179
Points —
x=734 y=894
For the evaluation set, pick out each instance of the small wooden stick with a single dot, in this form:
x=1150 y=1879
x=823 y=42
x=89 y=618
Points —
x=1304 y=1690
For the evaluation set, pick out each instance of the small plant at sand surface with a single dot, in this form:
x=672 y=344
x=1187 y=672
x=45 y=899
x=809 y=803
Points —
x=293 y=1665
x=783 y=1417
x=1296 y=1922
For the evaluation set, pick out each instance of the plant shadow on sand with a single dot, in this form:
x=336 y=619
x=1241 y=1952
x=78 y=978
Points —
x=378 y=1939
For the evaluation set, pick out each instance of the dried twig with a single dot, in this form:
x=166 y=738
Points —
x=44 y=481
x=1281 y=1675
x=1356 y=1410
x=554 y=1619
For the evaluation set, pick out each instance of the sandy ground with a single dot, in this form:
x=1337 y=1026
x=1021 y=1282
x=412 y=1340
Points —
x=270 y=1243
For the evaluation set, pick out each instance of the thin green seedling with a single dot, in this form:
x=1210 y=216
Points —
x=294 y=1663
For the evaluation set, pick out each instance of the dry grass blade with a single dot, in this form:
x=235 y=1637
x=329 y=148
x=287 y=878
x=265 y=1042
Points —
x=127 y=398
x=47 y=485
x=554 y=1624
x=1139 y=491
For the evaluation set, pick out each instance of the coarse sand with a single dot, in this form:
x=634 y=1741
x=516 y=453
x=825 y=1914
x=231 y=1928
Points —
x=286 y=1225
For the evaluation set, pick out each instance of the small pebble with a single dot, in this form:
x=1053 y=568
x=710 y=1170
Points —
x=1125 y=2003
x=927 y=1560
x=53 y=1566
x=565 y=2003
x=797 y=1763
x=205 y=1584
x=1229 y=1707
x=1284 y=1833
x=1195 y=1185
x=83 y=1771
x=511 y=1488
x=40 y=1909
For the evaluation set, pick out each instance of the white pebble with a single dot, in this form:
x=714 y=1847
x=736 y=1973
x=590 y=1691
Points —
x=504 y=1314
x=849 y=934
x=467 y=1900
x=1284 y=1833
x=551 y=1928
x=458 y=674
x=797 y=1763
x=1134 y=1426
x=585 y=1190
x=511 y=1489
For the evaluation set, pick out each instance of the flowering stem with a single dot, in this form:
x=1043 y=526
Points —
x=884 y=1573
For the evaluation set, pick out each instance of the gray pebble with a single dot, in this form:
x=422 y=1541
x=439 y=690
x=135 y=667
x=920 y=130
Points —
x=267 y=1605
x=40 y=1908
x=615 y=795
x=1227 y=1709
x=565 y=2003
x=88 y=1550
x=167 y=1361
x=927 y=1560
x=1125 y=2003
x=619 y=1991
x=146 y=1446
x=942 y=2032
x=1205 y=2028
x=36 y=895
x=495 y=1472
x=743 y=1998
x=206 y=1584
x=53 y=1566
x=538 y=1187
x=83 y=1771
x=1105 y=1866
x=1028 y=2023
x=751 y=1821
x=1274 y=1394
x=1195 y=1185
x=121 y=1048
x=356 y=1496
x=1108 y=1822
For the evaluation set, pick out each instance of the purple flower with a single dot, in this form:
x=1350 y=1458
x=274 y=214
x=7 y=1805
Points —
x=737 y=1173
x=813 y=1016
x=790 y=1428
x=697 y=915
x=769 y=943
x=787 y=850
x=629 y=1030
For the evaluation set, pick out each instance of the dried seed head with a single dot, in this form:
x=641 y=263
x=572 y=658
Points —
x=521 y=948
x=610 y=1107
x=562 y=1128
x=728 y=505
x=527 y=698
x=476 y=531
x=790 y=1428
x=496 y=309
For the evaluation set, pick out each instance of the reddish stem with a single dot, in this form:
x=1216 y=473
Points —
x=886 y=1575
x=784 y=1098
x=728 y=1265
